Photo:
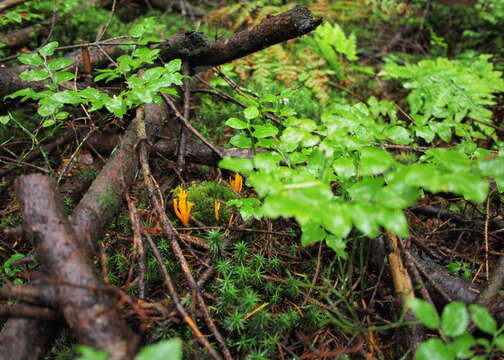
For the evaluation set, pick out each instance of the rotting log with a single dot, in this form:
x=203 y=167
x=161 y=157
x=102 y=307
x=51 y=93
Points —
x=87 y=305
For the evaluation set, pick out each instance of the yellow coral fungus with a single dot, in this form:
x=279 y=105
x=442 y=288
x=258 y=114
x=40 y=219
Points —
x=237 y=183
x=216 y=210
x=182 y=207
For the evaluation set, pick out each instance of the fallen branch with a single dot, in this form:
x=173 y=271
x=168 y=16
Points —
x=87 y=305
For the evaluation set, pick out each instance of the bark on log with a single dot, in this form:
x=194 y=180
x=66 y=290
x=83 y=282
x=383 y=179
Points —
x=199 y=153
x=102 y=200
x=87 y=306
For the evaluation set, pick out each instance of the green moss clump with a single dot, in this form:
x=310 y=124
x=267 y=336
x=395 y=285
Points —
x=204 y=195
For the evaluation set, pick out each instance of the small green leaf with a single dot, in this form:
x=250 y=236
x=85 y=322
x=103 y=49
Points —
x=236 y=123
x=337 y=244
x=461 y=345
x=344 y=167
x=48 y=107
x=61 y=115
x=165 y=350
x=4 y=120
x=425 y=312
x=454 y=319
x=244 y=166
x=27 y=93
x=393 y=220
x=375 y=161
x=31 y=59
x=312 y=233
x=174 y=65
x=117 y=106
x=399 y=135
x=61 y=76
x=483 y=320
x=153 y=73
x=251 y=112
x=499 y=341
x=34 y=75
x=48 y=49
x=88 y=353
x=241 y=141
x=60 y=63
x=48 y=123
x=67 y=97
x=434 y=349
x=262 y=131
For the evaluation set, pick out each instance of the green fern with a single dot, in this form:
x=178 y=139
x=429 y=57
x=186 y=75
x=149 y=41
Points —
x=449 y=91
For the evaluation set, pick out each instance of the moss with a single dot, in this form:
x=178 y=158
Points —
x=204 y=195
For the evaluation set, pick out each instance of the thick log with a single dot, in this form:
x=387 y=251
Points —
x=87 y=305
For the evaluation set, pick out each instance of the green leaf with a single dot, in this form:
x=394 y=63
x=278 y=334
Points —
x=174 y=65
x=61 y=76
x=251 y=112
x=262 y=131
x=90 y=94
x=117 y=106
x=454 y=319
x=88 y=353
x=27 y=93
x=8 y=269
x=338 y=220
x=153 y=73
x=399 y=135
x=4 y=120
x=434 y=349
x=393 y=220
x=312 y=233
x=267 y=161
x=337 y=244
x=236 y=123
x=60 y=63
x=244 y=166
x=241 y=141
x=364 y=218
x=461 y=345
x=499 y=341
x=344 y=167
x=483 y=320
x=48 y=107
x=31 y=59
x=48 y=123
x=34 y=75
x=67 y=97
x=61 y=115
x=48 y=49
x=165 y=350
x=425 y=312
x=375 y=161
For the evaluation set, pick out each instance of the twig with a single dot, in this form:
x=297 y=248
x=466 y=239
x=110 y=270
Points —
x=183 y=132
x=189 y=126
x=172 y=235
x=174 y=296
x=138 y=249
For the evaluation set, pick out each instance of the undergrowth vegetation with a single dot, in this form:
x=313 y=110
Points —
x=386 y=106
